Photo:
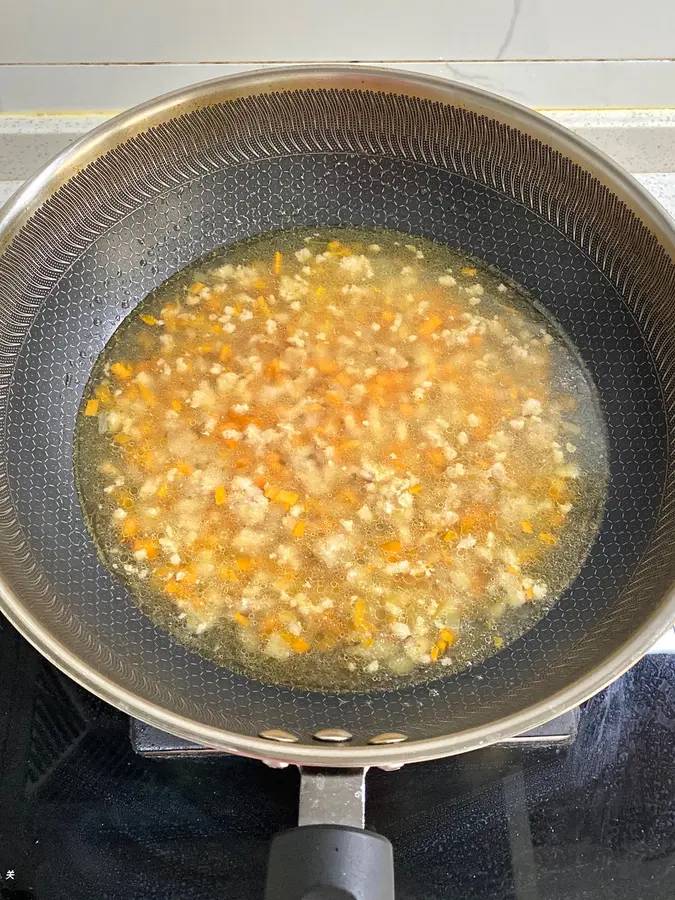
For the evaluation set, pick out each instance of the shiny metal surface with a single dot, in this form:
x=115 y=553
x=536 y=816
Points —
x=121 y=168
x=332 y=797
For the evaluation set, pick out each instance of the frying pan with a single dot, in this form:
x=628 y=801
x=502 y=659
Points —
x=146 y=194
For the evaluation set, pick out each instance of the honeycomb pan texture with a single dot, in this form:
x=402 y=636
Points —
x=233 y=170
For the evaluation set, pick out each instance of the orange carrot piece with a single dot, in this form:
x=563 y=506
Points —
x=129 y=528
x=526 y=526
x=430 y=325
x=227 y=574
x=299 y=645
x=121 y=370
x=244 y=563
x=220 y=495
x=391 y=546
x=287 y=497
x=298 y=529
x=147 y=395
x=547 y=538
x=326 y=366
x=277 y=263
x=149 y=320
x=91 y=409
x=241 y=619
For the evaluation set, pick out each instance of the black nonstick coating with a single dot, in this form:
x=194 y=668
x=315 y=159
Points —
x=115 y=261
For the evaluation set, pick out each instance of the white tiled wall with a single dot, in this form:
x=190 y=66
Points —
x=266 y=30
x=83 y=55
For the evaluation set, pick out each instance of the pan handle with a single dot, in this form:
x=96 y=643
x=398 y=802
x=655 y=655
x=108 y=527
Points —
x=331 y=856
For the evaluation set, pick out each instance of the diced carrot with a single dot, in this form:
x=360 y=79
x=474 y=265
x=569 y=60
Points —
x=163 y=490
x=415 y=488
x=241 y=619
x=147 y=395
x=220 y=495
x=196 y=287
x=320 y=290
x=151 y=548
x=466 y=523
x=149 y=320
x=299 y=645
x=129 y=528
x=348 y=496
x=526 y=526
x=225 y=353
x=271 y=492
x=359 y=612
x=171 y=588
x=450 y=535
x=287 y=497
x=298 y=529
x=430 y=325
x=184 y=468
x=475 y=340
x=91 y=409
x=436 y=455
x=343 y=379
x=244 y=563
x=391 y=546
x=122 y=438
x=272 y=368
x=547 y=538
x=433 y=653
x=448 y=636
x=177 y=405
x=121 y=370
x=227 y=574
x=469 y=270
x=262 y=303
x=326 y=366
x=277 y=263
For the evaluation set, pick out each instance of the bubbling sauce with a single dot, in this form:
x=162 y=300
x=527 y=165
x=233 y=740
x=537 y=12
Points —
x=342 y=459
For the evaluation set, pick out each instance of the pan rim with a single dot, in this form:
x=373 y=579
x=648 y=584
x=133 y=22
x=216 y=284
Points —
x=119 y=129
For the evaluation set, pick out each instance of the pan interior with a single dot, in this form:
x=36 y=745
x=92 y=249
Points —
x=65 y=313
x=252 y=620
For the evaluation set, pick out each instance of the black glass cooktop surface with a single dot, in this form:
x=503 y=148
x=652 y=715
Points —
x=82 y=815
